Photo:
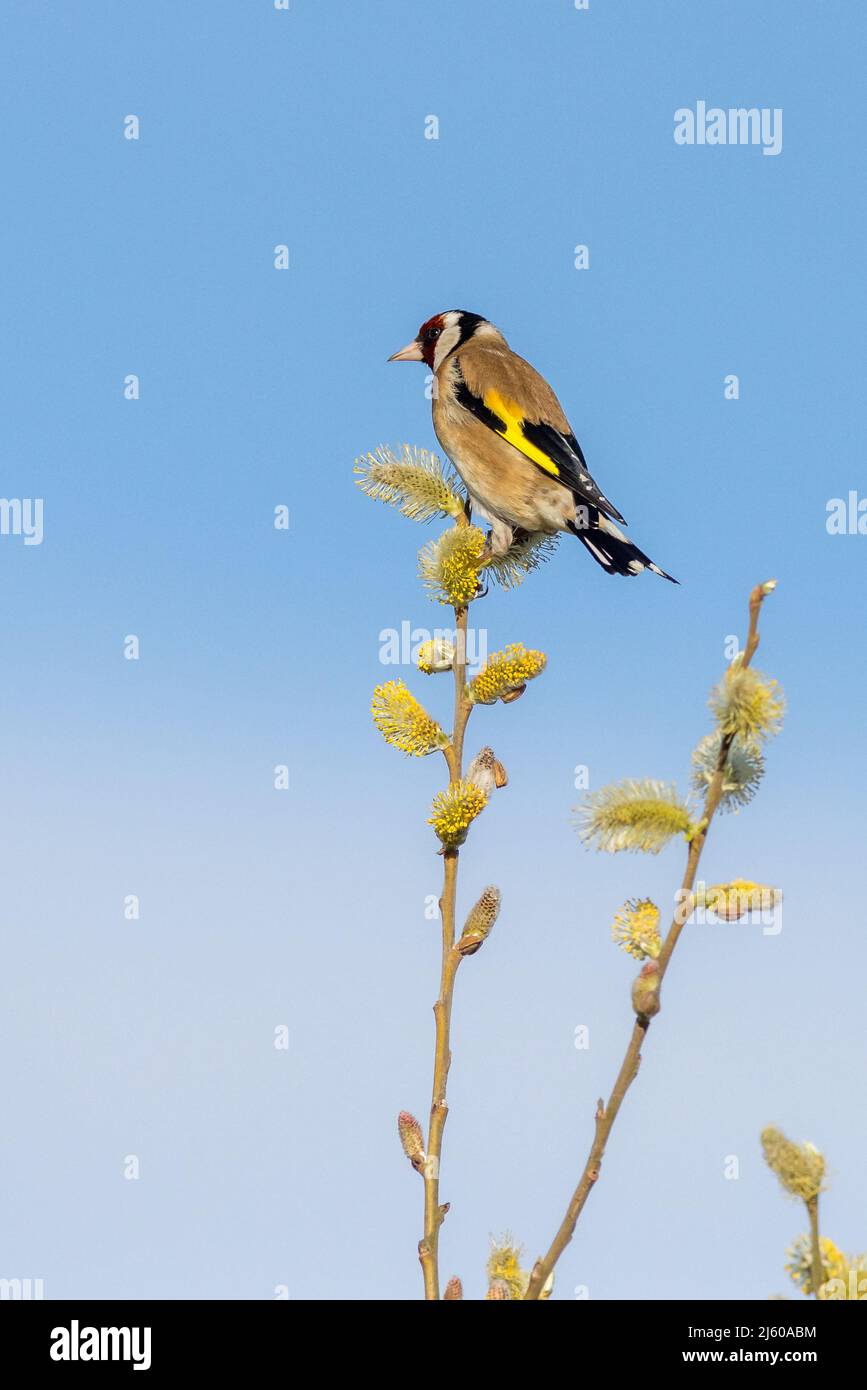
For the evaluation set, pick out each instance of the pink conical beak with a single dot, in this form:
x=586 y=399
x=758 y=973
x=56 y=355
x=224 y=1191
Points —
x=410 y=353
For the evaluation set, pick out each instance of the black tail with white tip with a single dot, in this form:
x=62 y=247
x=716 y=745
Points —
x=610 y=548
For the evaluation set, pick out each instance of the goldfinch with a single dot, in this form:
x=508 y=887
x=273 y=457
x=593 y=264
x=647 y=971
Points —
x=505 y=432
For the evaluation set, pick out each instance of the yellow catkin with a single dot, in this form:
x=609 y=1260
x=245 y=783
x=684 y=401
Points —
x=748 y=705
x=416 y=483
x=799 y=1263
x=504 y=1267
x=633 y=815
x=403 y=722
x=454 y=810
x=734 y=900
x=506 y=671
x=636 y=929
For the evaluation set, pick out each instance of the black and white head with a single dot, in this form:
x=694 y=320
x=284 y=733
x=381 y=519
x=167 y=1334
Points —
x=439 y=337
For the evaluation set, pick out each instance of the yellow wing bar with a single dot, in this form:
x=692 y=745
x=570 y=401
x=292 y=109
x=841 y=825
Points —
x=512 y=417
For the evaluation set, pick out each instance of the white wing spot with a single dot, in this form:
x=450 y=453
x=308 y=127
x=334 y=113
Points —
x=603 y=559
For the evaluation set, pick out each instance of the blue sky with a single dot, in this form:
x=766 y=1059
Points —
x=305 y=908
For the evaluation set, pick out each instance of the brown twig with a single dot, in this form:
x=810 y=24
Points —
x=434 y=1212
x=629 y=1067
x=816 y=1263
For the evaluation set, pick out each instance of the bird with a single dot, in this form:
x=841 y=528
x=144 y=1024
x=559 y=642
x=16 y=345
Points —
x=506 y=433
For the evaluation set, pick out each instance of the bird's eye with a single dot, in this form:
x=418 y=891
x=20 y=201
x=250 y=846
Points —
x=432 y=334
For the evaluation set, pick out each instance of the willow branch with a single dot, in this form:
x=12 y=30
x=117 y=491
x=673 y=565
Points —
x=434 y=1212
x=607 y=1114
x=817 y=1268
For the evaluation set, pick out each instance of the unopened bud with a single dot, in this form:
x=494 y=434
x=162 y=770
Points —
x=411 y=1138
x=548 y=1286
x=645 y=991
x=480 y=921
x=454 y=1290
x=486 y=771
x=799 y=1167
x=498 y=1288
